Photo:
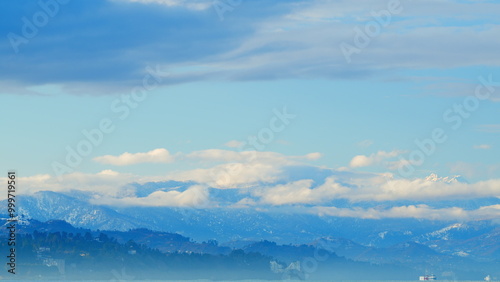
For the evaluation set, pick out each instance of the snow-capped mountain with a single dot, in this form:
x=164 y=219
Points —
x=447 y=179
x=356 y=238
x=227 y=224
x=478 y=240
x=468 y=246
x=48 y=205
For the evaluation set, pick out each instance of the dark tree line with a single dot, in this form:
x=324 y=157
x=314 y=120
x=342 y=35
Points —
x=85 y=256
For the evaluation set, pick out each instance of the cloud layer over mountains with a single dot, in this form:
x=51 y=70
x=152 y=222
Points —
x=268 y=180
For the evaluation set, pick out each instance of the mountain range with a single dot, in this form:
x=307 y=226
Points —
x=449 y=248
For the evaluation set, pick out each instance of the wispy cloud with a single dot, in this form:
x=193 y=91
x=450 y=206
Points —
x=195 y=196
x=269 y=40
x=413 y=211
x=240 y=169
x=476 y=170
x=424 y=190
x=482 y=147
x=249 y=156
x=489 y=128
x=234 y=144
x=300 y=192
x=107 y=182
x=379 y=188
x=155 y=156
x=365 y=143
x=379 y=158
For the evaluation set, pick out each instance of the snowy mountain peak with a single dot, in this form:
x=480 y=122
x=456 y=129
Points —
x=447 y=179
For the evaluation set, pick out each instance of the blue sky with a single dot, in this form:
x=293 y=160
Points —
x=217 y=77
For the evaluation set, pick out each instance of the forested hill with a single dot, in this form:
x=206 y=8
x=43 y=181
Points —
x=73 y=256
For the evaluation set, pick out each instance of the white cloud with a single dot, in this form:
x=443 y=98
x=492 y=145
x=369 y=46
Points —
x=308 y=157
x=313 y=156
x=374 y=159
x=258 y=174
x=113 y=188
x=374 y=188
x=361 y=161
x=232 y=175
x=234 y=144
x=300 y=192
x=413 y=211
x=155 y=156
x=423 y=190
x=219 y=155
x=240 y=169
x=106 y=182
x=482 y=147
x=196 y=196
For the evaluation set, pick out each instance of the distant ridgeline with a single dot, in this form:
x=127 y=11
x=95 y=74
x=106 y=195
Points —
x=56 y=250
x=83 y=255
